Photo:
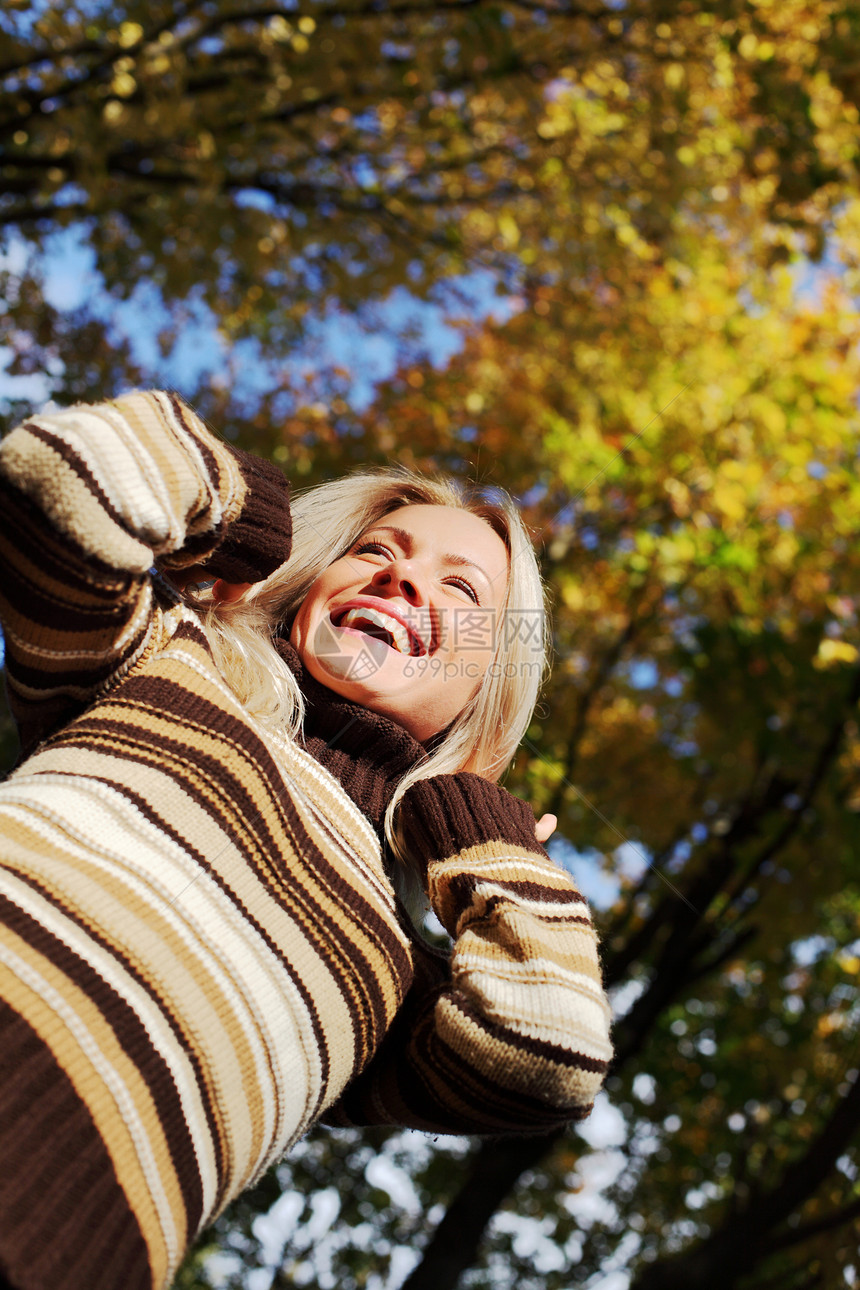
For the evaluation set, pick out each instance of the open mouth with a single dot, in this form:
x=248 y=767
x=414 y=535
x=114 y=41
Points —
x=381 y=626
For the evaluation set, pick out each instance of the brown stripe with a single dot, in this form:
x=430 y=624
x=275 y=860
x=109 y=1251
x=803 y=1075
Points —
x=85 y=475
x=354 y=968
x=86 y=678
x=355 y=971
x=90 y=731
x=169 y=440
x=127 y=1024
x=169 y=701
x=189 y=630
x=448 y=1086
x=217 y=1113
x=26 y=535
x=61 y=618
x=57 y=1181
x=121 y=1105
x=487 y=911
x=528 y=889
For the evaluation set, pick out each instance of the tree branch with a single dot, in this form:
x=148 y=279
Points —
x=815 y=1227
x=493 y=1172
x=743 y=1239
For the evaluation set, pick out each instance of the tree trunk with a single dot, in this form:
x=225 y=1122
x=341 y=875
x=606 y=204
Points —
x=495 y=1169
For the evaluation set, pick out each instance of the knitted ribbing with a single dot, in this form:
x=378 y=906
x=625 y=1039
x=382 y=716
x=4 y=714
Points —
x=447 y=814
x=258 y=540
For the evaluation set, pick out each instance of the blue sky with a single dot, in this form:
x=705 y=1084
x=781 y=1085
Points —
x=370 y=346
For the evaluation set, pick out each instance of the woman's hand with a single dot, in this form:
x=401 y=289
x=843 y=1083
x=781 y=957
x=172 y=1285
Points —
x=226 y=592
x=222 y=591
x=545 y=827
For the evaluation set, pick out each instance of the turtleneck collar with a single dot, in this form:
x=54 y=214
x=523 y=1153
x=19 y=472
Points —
x=366 y=752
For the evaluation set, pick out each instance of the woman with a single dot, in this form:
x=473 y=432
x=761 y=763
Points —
x=202 y=950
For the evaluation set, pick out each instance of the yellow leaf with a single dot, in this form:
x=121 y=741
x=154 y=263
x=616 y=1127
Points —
x=124 y=85
x=730 y=499
x=833 y=651
x=573 y=596
x=129 y=34
x=509 y=229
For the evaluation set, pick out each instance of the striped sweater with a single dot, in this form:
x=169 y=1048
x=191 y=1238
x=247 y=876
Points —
x=201 y=951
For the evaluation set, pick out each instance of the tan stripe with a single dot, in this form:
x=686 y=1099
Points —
x=66 y=498
x=513 y=1067
x=113 y=970
x=51 y=653
x=109 y=1084
x=555 y=1013
x=157 y=432
x=179 y=968
x=261 y=822
x=497 y=859
x=568 y=944
x=197 y=948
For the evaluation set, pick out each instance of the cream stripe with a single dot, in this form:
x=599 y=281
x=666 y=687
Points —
x=163 y=462
x=142 y=614
x=190 y=433
x=234 y=961
x=535 y=971
x=512 y=1066
x=189 y=951
x=497 y=858
x=339 y=815
x=566 y=915
x=164 y=1261
x=556 y=1015
x=292 y=758
x=95 y=655
x=134 y=483
x=145 y=1009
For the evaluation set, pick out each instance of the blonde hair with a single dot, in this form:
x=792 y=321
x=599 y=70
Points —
x=328 y=520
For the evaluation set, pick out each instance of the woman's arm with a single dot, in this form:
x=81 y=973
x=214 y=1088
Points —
x=90 y=498
x=513 y=1033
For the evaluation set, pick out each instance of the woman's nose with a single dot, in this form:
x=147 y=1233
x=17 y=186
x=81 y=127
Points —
x=399 y=578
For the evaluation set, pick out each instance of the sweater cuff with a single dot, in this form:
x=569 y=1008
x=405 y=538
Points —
x=258 y=541
x=443 y=816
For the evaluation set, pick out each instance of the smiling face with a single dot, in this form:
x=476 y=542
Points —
x=404 y=623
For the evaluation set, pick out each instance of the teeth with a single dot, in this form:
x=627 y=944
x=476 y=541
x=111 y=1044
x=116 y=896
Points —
x=396 y=630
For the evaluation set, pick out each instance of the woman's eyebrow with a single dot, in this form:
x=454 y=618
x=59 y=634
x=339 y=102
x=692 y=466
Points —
x=464 y=559
x=407 y=542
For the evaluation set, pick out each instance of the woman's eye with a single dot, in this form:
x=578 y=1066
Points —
x=465 y=586
x=375 y=548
